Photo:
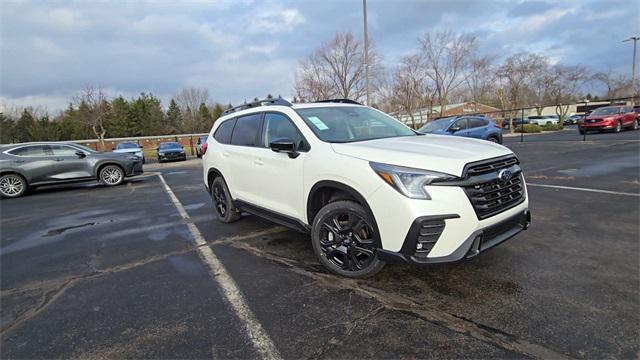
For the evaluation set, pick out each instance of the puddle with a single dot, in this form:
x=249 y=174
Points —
x=610 y=166
x=186 y=265
x=59 y=231
x=176 y=172
x=194 y=206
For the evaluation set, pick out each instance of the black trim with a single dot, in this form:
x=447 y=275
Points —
x=340 y=101
x=488 y=161
x=471 y=247
x=273 y=216
x=351 y=191
x=266 y=102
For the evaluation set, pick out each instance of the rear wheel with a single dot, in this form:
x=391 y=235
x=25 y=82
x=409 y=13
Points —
x=494 y=139
x=343 y=240
x=111 y=175
x=12 y=186
x=225 y=211
x=618 y=127
x=634 y=125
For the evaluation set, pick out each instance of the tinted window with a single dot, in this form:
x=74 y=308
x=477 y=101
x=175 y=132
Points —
x=475 y=122
x=121 y=146
x=246 y=131
x=223 y=133
x=170 y=145
x=62 y=150
x=278 y=126
x=462 y=124
x=35 y=150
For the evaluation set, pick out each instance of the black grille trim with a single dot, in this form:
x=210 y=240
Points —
x=490 y=165
x=425 y=230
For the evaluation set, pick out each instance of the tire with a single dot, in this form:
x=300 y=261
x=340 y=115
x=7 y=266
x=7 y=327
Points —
x=224 y=209
x=343 y=236
x=12 y=186
x=111 y=175
x=144 y=160
x=634 y=125
x=494 y=139
x=159 y=161
x=581 y=131
x=618 y=127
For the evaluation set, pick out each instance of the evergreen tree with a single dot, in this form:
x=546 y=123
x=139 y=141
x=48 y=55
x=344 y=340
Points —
x=217 y=111
x=6 y=129
x=23 y=125
x=44 y=130
x=269 y=96
x=147 y=115
x=174 y=117
x=121 y=124
x=206 y=121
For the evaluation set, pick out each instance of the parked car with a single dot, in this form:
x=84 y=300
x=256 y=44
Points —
x=611 y=118
x=467 y=126
x=516 y=122
x=544 y=119
x=202 y=140
x=168 y=151
x=27 y=165
x=571 y=120
x=636 y=109
x=367 y=188
x=130 y=148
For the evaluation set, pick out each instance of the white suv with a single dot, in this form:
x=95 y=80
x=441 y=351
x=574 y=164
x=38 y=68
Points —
x=368 y=189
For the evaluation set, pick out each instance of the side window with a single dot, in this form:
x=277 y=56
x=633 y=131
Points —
x=63 y=150
x=223 y=132
x=477 y=122
x=34 y=150
x=278 y=126
x=461 y=124
x=246 y=131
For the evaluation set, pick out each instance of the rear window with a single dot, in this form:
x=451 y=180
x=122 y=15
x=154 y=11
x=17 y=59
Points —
x=34 y=150
x=223 y=132
x=246 y=131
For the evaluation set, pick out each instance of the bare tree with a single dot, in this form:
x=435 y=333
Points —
x=189 y=100
x=480 y=80
x=93 y=106
x=336 y=69
x=445 y=59
x=616 y=85
x=408 y=88
x=570 y=79
x=544 y=79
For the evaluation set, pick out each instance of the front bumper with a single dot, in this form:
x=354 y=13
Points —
x=605 y=124
x=173 y=156
x=135 y=168
x=479 y=241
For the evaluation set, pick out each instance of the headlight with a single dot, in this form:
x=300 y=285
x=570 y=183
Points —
x=408 y=181
x=609 y=118
x=161 y=153
x=135 y=158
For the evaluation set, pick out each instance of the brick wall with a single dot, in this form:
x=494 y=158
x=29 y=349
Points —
x=189 y=142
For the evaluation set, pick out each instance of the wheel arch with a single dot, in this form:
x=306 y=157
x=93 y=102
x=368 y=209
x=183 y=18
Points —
x=326 y=191
x=13 y=171
x=101 y=166
x=213 y=173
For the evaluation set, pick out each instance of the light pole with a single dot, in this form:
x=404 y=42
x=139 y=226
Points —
x=633 y=68
x=366 y=53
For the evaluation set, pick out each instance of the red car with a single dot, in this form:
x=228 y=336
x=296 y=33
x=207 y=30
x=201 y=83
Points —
x=613 y=118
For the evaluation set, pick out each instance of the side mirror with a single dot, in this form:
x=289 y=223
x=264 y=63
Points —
x=284 y=146
x=113 y=148
x=81 y=154
x=454 y=129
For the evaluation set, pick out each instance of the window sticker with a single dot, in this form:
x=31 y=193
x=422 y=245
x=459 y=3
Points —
x=318 y=123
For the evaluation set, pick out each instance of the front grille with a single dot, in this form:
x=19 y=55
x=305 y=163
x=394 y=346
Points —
x=488 y=166
x=495 y=196
x=430 y=231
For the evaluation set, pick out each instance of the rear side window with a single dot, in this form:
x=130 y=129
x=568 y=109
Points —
x=34 y=150
x=246 y=131
x=223 y=132
x=475 y=122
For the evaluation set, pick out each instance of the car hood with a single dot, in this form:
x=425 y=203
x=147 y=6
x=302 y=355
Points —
x=127 y=151
x=600 y=117
x=170 y=151
x=442 y=153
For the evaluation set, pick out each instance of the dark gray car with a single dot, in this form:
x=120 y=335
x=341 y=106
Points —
x=27 y=165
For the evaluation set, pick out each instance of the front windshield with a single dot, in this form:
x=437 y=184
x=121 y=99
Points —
x=126 y=146
x=171 y=145
x=437 y=125
x=352 y=123
x=605 y=111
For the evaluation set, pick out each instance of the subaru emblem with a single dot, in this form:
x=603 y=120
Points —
x=504 y=175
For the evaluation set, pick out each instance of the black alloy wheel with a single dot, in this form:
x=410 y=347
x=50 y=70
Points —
x=225 y=211
x=344 y=240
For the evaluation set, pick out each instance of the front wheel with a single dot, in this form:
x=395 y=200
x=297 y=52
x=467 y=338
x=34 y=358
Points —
x=12 y=186
x=618 y=127
x=634 y=126
x=111 y=175
x=343 y=240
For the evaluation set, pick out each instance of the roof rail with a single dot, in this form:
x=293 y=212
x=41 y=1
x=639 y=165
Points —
x=341 y=101
x=265 y=102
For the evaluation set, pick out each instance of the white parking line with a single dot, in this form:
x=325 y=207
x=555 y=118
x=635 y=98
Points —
x=584 y=189
x=261 y=341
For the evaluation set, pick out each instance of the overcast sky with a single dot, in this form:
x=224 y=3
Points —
x=243 y=49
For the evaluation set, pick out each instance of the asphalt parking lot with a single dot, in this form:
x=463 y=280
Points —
x=95 y=272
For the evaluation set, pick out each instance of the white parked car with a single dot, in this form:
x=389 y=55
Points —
x=367 y=188
x=131 y=148
x=544 y=119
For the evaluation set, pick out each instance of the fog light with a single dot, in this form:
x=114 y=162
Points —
x=419 y=246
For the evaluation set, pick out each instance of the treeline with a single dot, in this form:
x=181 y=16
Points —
x=117 y=117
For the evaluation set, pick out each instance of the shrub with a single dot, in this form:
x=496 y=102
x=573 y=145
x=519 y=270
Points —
x=551 y=127
x=529 y=128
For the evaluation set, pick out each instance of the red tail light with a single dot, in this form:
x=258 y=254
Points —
x=203 y=148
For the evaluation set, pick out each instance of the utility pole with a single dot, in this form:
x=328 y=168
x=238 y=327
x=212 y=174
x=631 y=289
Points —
x=633 y=68
x=366 y=53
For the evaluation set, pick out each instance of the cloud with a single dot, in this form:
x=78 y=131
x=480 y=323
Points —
x=273 y=22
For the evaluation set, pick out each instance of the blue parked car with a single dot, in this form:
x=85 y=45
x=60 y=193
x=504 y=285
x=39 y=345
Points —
x=469 y=126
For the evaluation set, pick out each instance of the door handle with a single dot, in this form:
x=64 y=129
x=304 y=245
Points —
x=225 y=154
x=18 y=161
x=59 y=159
x=258 y=162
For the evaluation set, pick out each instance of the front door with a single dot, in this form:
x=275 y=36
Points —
x=69 y=165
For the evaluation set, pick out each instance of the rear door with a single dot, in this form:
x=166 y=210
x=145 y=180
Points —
x=70 y=165
x=478 y=128
x=35 y=161
x=242 y=154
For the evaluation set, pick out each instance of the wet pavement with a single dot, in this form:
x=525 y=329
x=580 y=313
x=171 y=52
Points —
x=95 y=272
